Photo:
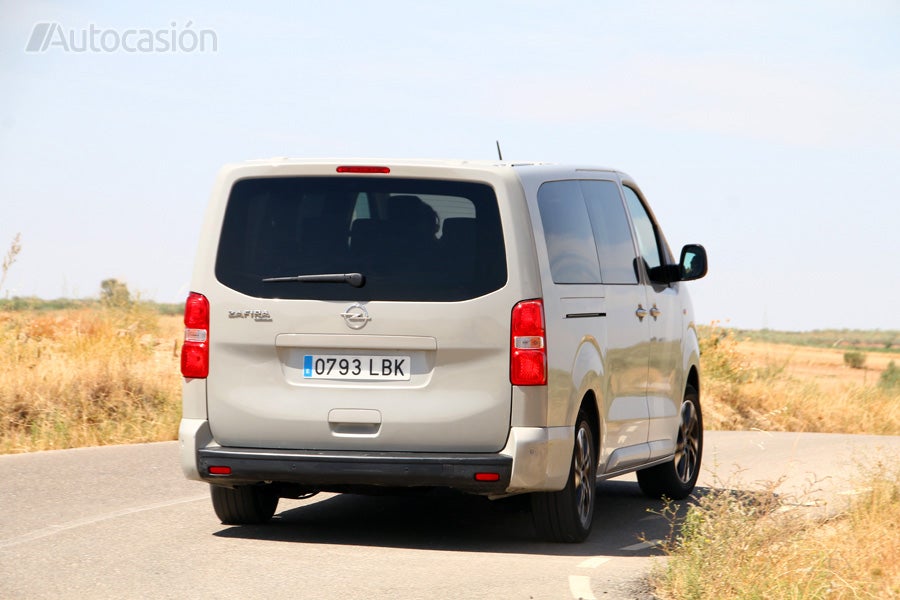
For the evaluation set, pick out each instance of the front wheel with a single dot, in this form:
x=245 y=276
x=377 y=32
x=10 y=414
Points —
x=567 y=515
x=243 y=505
x=676 y=479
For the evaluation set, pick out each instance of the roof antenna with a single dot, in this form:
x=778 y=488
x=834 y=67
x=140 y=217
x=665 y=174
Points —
x=499 y=154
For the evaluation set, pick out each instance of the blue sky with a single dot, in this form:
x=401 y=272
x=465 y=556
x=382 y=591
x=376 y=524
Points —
x=768 y=131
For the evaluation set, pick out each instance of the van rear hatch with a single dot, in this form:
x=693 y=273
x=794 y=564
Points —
x=360 y=312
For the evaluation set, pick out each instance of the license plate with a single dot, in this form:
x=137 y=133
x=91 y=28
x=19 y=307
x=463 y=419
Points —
x=380 y=368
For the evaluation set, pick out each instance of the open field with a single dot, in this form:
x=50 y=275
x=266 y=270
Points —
x=824 y=366
x=777 y=387
x=841 y=339
x=84 y=377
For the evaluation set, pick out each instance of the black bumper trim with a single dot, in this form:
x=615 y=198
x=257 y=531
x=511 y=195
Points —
x=322 y=469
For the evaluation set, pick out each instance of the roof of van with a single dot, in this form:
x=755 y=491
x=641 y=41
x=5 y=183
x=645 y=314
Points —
x=424 y=162
x=535 y=168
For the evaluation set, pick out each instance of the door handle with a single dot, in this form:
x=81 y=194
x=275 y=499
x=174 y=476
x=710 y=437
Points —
x=641 y=312
x=655 y=312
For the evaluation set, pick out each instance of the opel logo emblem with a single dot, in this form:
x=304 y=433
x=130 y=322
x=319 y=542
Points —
x=356 y=316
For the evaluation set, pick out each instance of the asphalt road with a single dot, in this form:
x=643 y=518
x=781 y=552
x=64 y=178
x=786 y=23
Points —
x=121 y=522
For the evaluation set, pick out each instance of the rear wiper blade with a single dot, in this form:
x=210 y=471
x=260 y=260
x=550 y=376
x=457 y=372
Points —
x=354 y=279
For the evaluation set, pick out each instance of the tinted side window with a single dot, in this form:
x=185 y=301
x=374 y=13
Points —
x=643 y=226
x=412 y=240
x=567 y=232
x=612 y=233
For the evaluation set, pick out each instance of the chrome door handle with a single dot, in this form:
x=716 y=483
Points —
x=655 y=312
x=641 y=312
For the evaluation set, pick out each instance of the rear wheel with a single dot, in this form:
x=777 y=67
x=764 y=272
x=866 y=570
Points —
x=676 y=479
x=567 y=515
x=244 y=505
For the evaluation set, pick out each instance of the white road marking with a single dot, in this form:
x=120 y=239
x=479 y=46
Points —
x=54 y=529
x=580 y=586
x=593 y=563
x=643 y=546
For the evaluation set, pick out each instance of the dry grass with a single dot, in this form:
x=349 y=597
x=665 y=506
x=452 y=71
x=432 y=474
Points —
x=87 y=377
x=753 y=385
x=747 y=546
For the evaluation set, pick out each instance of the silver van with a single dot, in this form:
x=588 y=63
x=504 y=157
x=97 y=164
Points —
x=490 y=327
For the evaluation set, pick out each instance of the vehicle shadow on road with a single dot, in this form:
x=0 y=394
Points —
x=624 y=522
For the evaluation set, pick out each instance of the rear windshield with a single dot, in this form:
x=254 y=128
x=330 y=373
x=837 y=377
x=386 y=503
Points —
x=410 y=239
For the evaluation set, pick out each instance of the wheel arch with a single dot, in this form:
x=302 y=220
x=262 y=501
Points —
x=693 y=380
x=589 y=405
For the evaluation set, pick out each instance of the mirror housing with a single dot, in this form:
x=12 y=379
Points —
x=692 y=266
x=665 y=274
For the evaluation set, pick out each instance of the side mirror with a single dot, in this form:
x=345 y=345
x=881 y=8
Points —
x=692 y=266
x=693 y=262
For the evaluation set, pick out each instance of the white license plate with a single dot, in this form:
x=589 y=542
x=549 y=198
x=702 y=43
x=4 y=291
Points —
x=380 y=368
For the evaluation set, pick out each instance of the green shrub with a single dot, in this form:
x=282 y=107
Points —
x=854 y=359
x=890 y=378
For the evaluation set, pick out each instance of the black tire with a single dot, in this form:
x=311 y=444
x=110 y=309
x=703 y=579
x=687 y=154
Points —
x=568 y=515
x=676 y=479
x=243 y=505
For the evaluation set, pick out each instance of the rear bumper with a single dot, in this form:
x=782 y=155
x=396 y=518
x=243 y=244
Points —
x=534 y=459
x=323 y=469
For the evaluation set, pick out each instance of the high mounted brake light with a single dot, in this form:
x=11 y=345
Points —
x=362 y=169
x=195 y=351
x=528 y=346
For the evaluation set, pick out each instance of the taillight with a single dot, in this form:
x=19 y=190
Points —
x=528 y=346
x=195 y=351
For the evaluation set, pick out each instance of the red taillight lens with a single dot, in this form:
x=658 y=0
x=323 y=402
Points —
x=195 y=351
x=362 y=169
x=487 y=476
x=220 y=470
x=528 y=346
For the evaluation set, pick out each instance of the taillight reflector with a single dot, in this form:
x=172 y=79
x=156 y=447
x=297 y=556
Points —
x=487 y=476
x=528 y=346
x=220 y=470
x=195 y=351
x=362 y=169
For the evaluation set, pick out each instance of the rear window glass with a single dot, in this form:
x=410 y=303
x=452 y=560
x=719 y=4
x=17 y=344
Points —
x=411 y=239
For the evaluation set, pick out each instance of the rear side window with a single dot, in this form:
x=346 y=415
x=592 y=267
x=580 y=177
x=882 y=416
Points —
x=411 y=239
x=567 y=232
x=587 y=232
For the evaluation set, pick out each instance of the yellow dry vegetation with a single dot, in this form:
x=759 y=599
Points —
x=108 y=375
x=85 y=377
x=775 y=387
x=736 y=545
